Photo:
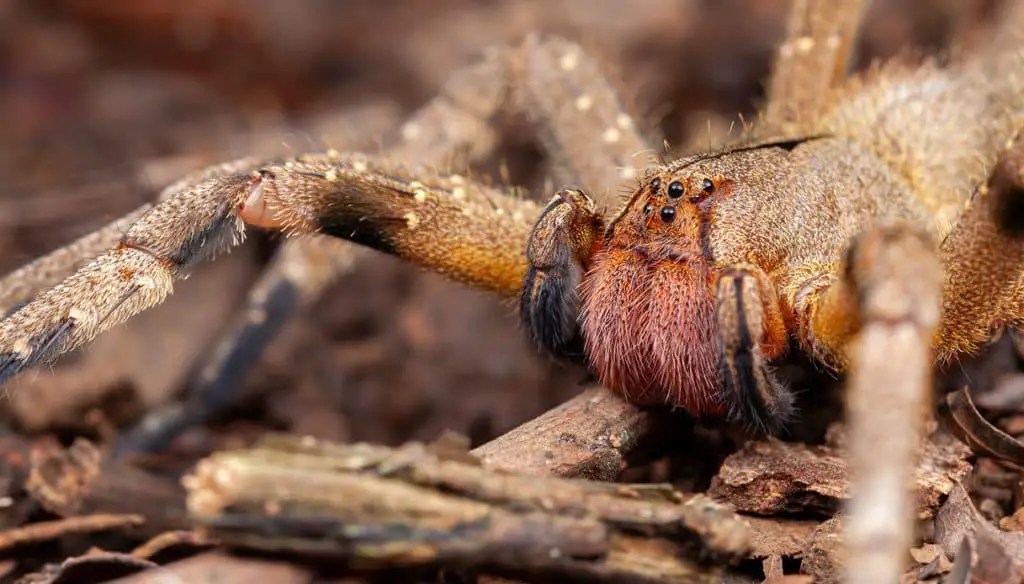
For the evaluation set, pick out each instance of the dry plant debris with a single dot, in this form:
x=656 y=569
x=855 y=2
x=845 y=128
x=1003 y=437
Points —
x=769 y=478
x=375 y=507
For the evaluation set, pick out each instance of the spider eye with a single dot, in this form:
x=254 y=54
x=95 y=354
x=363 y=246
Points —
x=709 y=187
x=655 y=183
x=668 y=214
x=675 y=189
x=647 y=209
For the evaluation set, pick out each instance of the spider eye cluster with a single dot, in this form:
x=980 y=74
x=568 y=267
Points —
x=676 y=190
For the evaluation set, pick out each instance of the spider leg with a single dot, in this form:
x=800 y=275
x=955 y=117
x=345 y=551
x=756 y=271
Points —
x=983 y=258
x=585 y=126
x=468 y=232
x=897 y=277
x=559 y=250
x=22 y=284
x=451 y=130
x=134 y=275
x=297 y=275
x=814 y=58
x=448 y=223
x=876 y=315
x=751 y=333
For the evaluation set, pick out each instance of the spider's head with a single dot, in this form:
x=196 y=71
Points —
x=647 y=310
x=637 y=304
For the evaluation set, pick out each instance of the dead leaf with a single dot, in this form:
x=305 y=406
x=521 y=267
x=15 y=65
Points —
x=964 y=421
x=95 y=566
x=823 y=557
x=1000 y=554
x=778 y=536
x=932 y=560
x=772 y=477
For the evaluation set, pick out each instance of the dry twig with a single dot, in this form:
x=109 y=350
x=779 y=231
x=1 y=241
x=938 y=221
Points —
x=374 y=507
x=47 y=530
x=589 y=436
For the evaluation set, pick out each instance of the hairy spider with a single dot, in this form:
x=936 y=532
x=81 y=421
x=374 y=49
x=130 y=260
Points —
x=856 y=220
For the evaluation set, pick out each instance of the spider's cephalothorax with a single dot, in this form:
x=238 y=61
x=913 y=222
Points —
x=639 y=297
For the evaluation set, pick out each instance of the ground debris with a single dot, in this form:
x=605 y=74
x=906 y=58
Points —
x=778 y=536
x=95 y=566
x=15 y=505
x=586 y=437
x=83 y=480
x=771 y=477
x=376 y=508
x=964 y=420
x=823 y=557
x=167 y=540
x=931 y=559
x=221 y=568
x=46 y=530
x=998 y=555
x=60 y=479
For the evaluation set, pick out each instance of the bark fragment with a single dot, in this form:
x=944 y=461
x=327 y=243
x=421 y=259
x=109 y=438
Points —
x=773 y=477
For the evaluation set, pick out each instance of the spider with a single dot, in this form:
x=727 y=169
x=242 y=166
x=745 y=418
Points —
x=858 y=220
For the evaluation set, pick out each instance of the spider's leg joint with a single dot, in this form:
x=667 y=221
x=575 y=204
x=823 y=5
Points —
x=253 y=207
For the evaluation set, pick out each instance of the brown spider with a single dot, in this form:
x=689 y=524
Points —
x=853 y=221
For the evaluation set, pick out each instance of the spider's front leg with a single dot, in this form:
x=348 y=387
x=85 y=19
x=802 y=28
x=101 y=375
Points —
x=136 y=274
x=468 y=232
x=448 y=223
x=561 y=244
x=876 y=315
x=751 y=333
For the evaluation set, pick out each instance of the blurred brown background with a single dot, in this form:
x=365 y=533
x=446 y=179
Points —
x=104 y=101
